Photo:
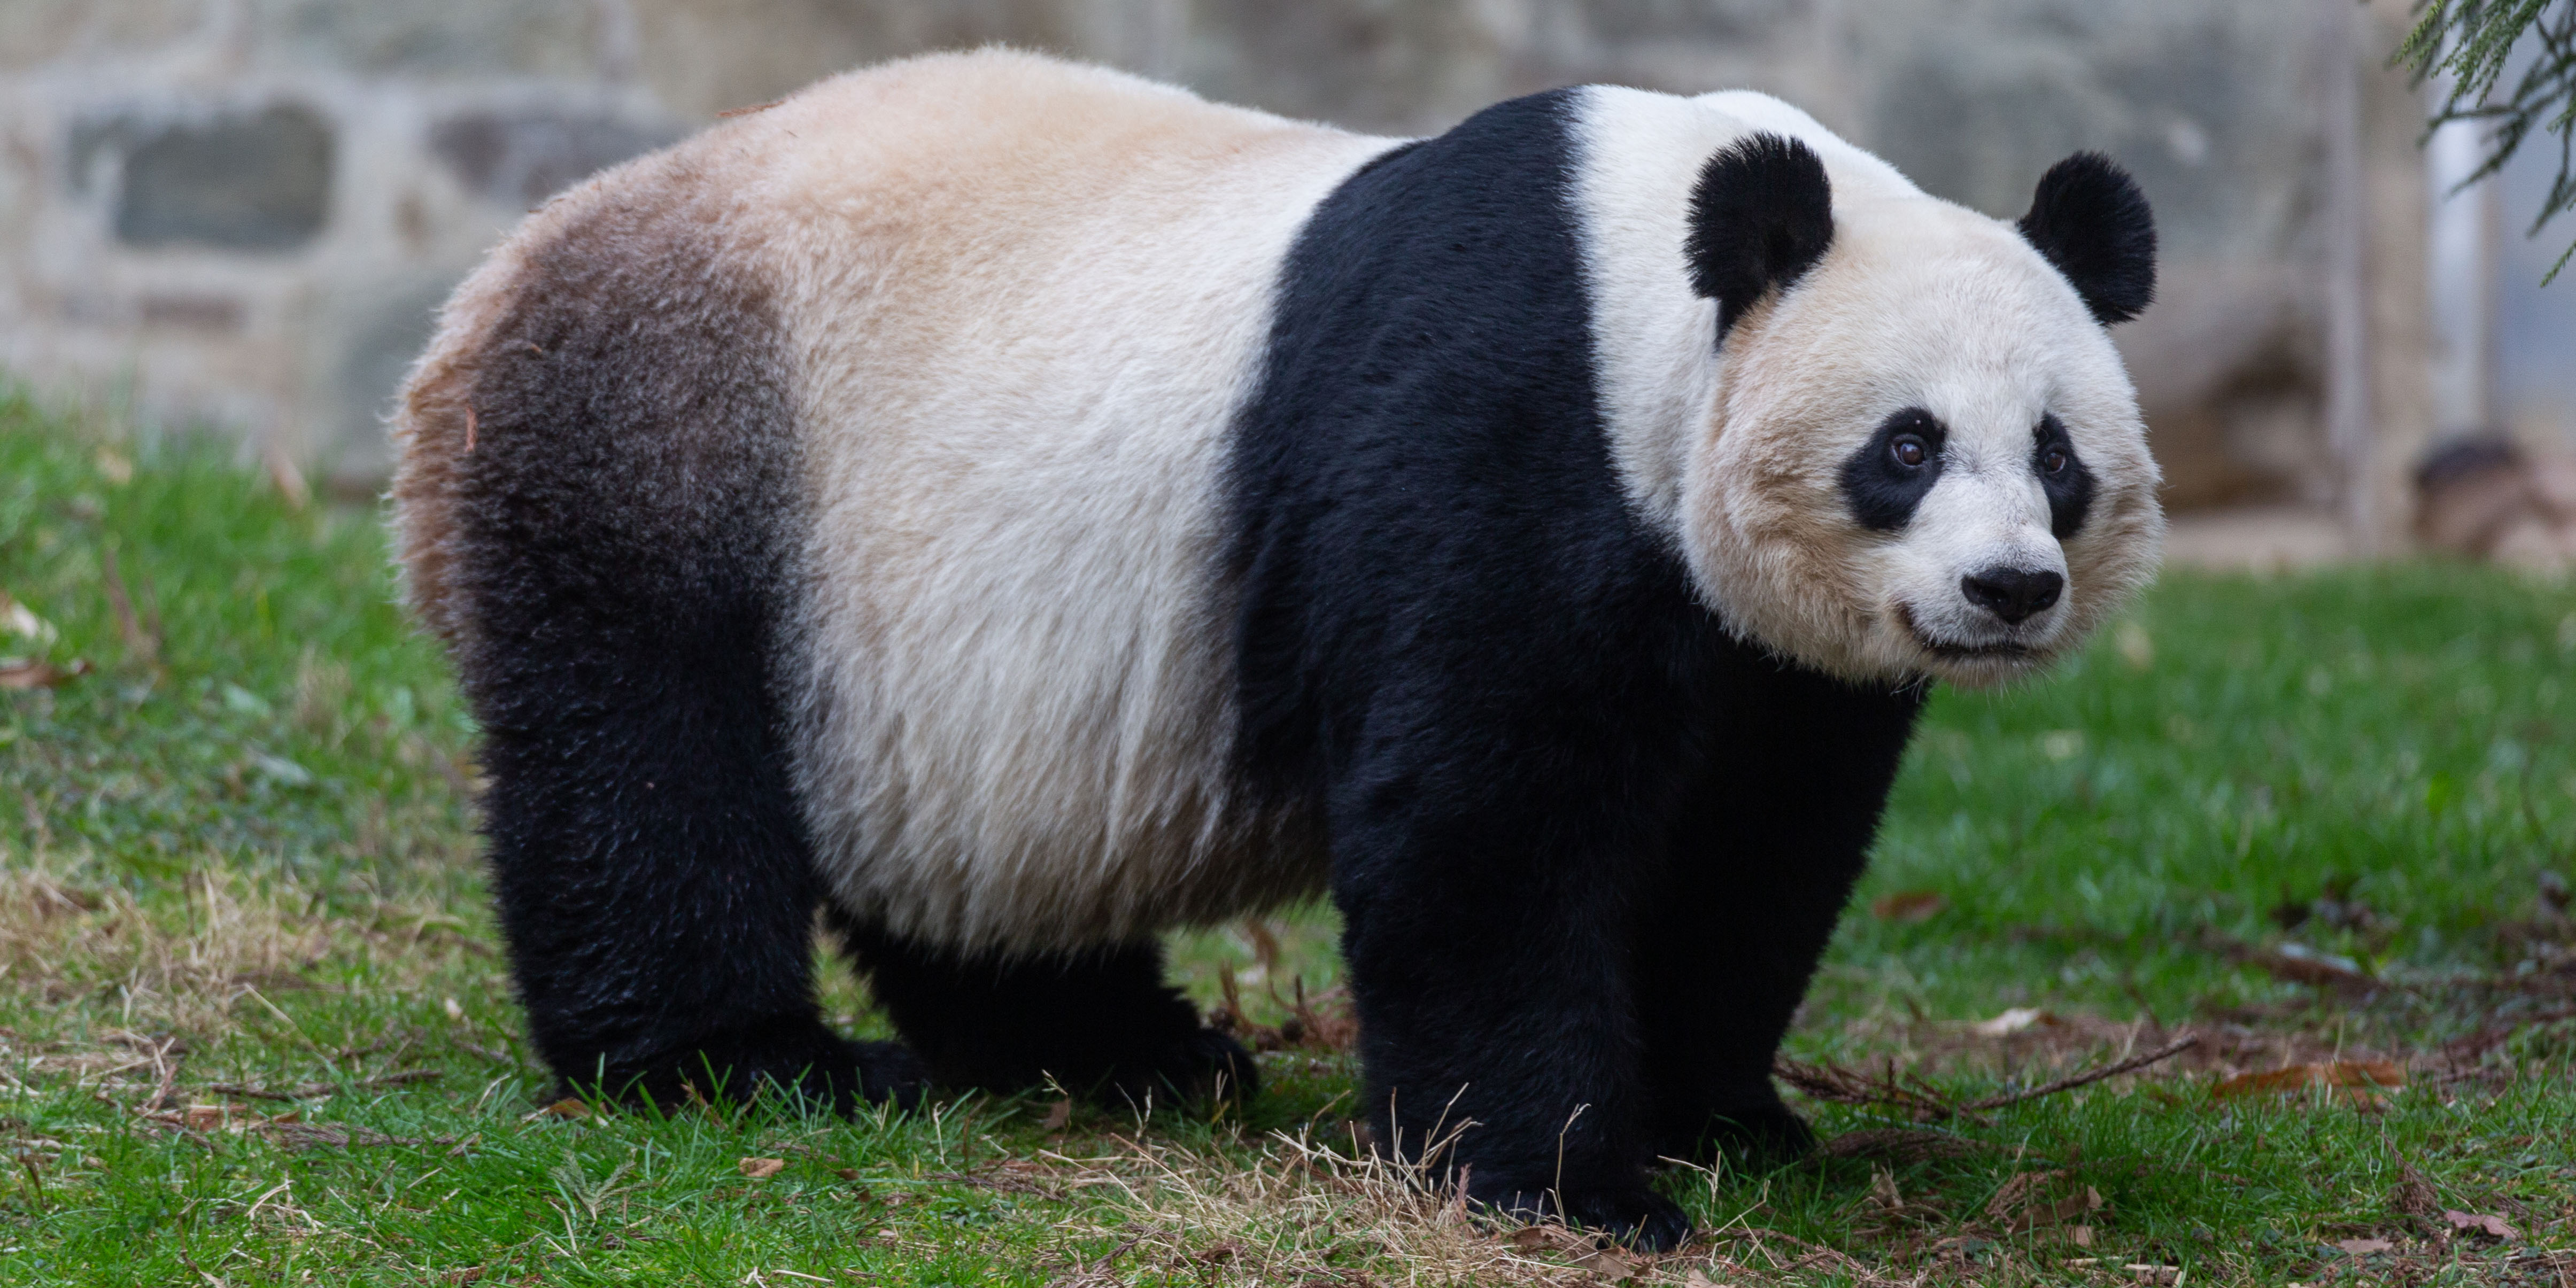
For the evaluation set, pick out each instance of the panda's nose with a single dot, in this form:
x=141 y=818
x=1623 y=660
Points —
x=2012 y=593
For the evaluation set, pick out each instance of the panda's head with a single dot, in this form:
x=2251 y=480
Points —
x=1924 y=457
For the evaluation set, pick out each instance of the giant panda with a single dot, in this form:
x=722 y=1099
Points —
x=1015 y=508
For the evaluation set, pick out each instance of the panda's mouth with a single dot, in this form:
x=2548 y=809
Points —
x=1999 y=650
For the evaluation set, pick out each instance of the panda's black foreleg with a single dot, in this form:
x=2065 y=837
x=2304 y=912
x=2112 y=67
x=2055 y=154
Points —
x=1485 y=925
x=1100 y=1022
x=1764 y=857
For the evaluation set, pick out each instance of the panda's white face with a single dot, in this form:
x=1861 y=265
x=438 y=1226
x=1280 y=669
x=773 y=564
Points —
x=1925 y=459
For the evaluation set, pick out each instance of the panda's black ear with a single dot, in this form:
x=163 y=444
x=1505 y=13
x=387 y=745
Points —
x=2089 y=219
x=1761 y=216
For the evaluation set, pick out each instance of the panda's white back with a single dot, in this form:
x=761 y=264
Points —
x=1026 y=299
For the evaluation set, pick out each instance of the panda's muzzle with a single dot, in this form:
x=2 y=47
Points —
x=1948 y=650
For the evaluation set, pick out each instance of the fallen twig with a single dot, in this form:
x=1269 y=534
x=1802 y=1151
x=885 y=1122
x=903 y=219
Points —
x=1843 y=1086
x=2131 y=1065
x=168 y=1059
x=1924 y=1103
x=142 y=641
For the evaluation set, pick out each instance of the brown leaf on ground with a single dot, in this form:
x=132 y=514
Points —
x=2365 y=1247
x=568 y=1107
x=2353 y=1075
x=1615 y=1263
x=1883 y=1193
x=1057 y=1116
x=22 y=673
x=761 y=1169
x=1908 y=905
x=2481 y=1223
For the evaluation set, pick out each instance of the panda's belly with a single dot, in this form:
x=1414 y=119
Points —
x=1012 y=675
x=1017 y=727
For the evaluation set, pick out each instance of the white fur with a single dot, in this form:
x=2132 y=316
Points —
x=1015 y=382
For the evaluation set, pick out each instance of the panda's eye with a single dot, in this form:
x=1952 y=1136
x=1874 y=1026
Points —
x=1909 y=450
x=2053 y=461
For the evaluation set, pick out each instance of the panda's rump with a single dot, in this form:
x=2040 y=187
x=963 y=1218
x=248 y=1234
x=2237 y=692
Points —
x=1021 y=334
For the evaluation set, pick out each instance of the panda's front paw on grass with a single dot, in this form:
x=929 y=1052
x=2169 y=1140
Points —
x=1200 y=1069
x=1637 y=1217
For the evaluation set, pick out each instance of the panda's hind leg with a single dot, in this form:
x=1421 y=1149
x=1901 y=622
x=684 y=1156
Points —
x=602 y=490
x=1099 y=1022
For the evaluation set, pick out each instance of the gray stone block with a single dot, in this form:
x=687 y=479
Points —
x=556 y=38
x=518 y=159
x=253 y=183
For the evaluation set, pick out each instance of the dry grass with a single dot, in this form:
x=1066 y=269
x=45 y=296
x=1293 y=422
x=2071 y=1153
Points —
x=113 y=988
x=1296 y=1208
x=181 y=966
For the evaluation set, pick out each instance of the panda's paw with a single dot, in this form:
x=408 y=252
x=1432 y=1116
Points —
x=1202 y=1068
x=890 y=1074
x=1760 y=1136
x=792 y=1056
x=1637 y=1217
x=843 y=1076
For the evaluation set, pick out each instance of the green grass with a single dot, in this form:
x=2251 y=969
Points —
x=238 y=852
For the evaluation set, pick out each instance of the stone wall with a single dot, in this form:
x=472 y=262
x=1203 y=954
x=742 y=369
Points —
x=243 y=211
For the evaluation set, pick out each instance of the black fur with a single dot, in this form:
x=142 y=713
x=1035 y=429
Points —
x=1100 y=1022
x=624 y=524
x=1585 y=845
x=1762 y=214
x=2089 y=219
x=1883 y=491
x=2070 y=488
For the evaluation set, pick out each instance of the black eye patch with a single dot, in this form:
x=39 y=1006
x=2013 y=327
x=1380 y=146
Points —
x=2062 y=476
x=1889 y=475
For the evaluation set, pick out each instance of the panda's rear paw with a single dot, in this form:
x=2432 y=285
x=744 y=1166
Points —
x=890 y=1074
x=1761 y=1136
x=795 y=1056
x=1637 y=1217
x=1203 y=1069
